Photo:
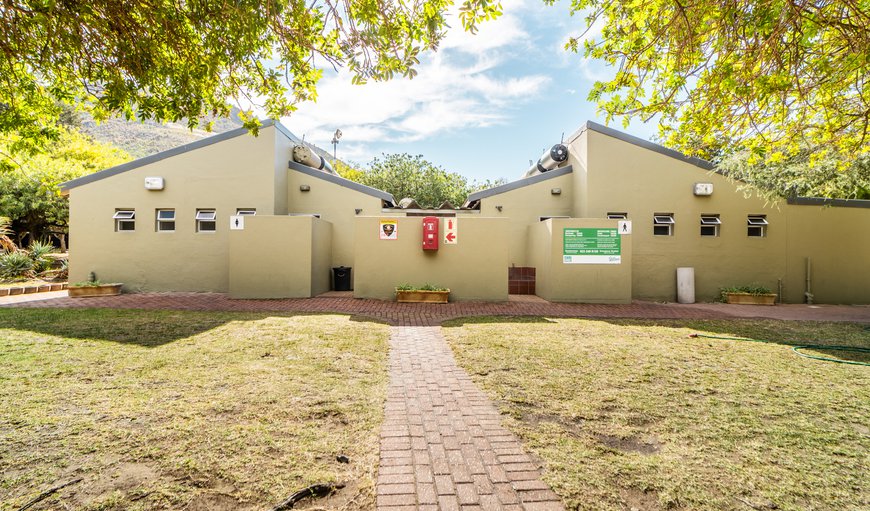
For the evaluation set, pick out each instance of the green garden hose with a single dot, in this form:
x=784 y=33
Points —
x=797 y=347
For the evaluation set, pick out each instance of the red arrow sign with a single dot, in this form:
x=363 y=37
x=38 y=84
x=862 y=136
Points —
x=450 y=237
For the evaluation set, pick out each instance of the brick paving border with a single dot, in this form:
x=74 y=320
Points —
x=442 y=443
x=429 y=314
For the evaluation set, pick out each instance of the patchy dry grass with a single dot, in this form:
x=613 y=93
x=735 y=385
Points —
x=171 y=410
x=635 y=415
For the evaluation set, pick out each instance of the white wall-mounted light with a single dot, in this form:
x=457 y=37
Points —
x=701 y=189
x=154 y=183
x=556 y=191
x=304 y=188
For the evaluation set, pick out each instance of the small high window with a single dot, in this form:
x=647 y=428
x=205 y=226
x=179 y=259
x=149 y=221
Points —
x=663 y=224
x=206 y=220
x=710 y=225
x=246 y=211
x=165 y=220
x=617 y=216
x=125 y=220
x=756 y=226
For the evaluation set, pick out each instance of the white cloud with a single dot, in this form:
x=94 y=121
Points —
x=469 y=83
x=507 y=31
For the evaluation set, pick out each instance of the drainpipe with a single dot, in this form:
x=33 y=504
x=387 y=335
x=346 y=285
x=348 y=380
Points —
x=809 y=293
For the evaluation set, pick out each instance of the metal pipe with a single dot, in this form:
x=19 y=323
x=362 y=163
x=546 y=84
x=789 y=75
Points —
x=549 y=160
x=809 y=292
x=779 y=290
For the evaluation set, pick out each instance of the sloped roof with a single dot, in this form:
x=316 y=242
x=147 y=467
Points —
x=332 y=178
x=646 y=144
x=822 y=201
x=520 y=183
x=169 y=153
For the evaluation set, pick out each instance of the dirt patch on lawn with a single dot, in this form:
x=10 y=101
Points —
x=213 y=502
x=124 y=477
x=648 y=445
x=638 y=500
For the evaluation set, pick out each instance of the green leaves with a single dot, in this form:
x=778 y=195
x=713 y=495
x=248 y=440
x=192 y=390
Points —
x=403 y=175
x=765 y=77
x=30 y=183
x=166 y=60
x=807 y=173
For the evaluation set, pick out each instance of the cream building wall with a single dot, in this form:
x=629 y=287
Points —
x=524 y=206
x=606 y=172
x=336 y=200
x=632 y=178
x=475 y=268
x=837 y=241
x=584 y=283
x=234 y=170
x=279 y=257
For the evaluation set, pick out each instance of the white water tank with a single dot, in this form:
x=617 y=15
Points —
x=685 y=285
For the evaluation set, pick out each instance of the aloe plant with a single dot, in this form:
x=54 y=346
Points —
x=39 y=251
x=6 y=243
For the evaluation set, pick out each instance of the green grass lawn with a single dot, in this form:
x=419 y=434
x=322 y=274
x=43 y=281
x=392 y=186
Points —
x=636 y=415
x=187 y=410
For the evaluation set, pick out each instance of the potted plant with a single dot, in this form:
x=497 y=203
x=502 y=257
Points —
x=93 y=287
x=748 y=295
x=428 y=293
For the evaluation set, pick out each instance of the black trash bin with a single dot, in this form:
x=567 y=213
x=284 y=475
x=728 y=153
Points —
x=341 y=278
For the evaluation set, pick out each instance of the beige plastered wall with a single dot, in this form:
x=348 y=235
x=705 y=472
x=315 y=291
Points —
x=524 y=206
x=837 y=240
x=623 y=177
x=578 y=159
x=234 y=173
x=583 y=283
x=474 y=269
x=336 y=204
x=279 y=257
x=283 y=154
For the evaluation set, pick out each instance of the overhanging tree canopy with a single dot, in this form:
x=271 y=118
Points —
x=168 y=60
x=775 y=77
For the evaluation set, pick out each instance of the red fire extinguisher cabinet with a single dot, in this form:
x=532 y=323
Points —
x=430 y=233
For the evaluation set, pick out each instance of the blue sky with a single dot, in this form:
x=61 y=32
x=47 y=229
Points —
x=482 y=106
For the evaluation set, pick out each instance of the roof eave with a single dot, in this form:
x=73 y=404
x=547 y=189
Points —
x=646 y=144
x=340 y=181
x=520 y=183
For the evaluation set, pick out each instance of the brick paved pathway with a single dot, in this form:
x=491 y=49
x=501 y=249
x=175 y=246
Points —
x=442 y=445
x=428 y=314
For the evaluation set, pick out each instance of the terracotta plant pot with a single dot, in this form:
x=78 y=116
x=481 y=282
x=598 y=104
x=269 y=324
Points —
x=751 y=299
x=422 y=296
x=100 y=290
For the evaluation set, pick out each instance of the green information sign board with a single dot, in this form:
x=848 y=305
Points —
x=591 y=246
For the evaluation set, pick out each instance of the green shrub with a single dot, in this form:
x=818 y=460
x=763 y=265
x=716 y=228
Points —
x=15 y=265
x=432 y=287
x=424 y=287
x=752 y=290
x=38 y=252
x=88 y=283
